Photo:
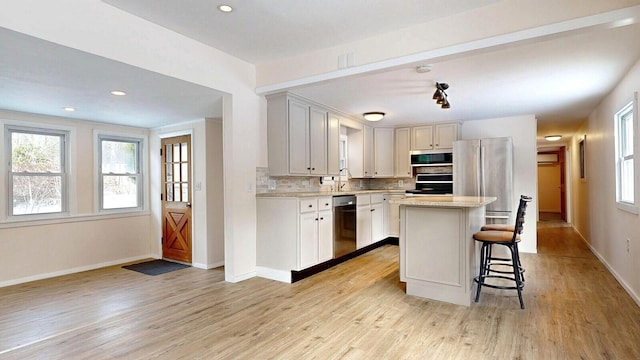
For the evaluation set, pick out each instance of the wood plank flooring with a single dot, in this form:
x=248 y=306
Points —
x=575 y=309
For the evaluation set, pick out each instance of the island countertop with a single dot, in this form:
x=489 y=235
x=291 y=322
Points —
x=445 y=201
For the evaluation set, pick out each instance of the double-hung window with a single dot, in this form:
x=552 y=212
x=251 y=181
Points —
x=624 y=135
x=120 y=175
x=37 y=170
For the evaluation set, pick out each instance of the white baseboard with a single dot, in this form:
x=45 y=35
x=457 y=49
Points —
x=208 y=266
x=613 y=272
x=272 y=274
x=74 y=270
x=236 y=279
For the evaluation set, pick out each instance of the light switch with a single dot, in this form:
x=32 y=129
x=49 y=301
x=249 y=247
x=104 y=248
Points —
x=198 y=186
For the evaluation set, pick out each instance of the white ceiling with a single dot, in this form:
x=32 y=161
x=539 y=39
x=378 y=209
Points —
x=37 y=76
x=559 y=79
x=260 y=31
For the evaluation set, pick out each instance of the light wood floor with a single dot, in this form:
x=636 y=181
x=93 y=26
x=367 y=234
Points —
x=357 y=310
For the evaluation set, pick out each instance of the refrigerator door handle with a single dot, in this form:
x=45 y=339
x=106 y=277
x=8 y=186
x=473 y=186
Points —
x=481 y=181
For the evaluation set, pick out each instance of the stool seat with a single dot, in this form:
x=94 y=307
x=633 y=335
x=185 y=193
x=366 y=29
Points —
x=495 y=236
x=498 y=227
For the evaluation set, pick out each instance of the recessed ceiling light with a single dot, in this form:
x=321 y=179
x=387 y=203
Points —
x=69 y=108
x=553 y=137
x=225 y=8
x=118 y=93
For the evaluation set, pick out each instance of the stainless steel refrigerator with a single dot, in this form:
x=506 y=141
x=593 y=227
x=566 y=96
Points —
x=485 y=168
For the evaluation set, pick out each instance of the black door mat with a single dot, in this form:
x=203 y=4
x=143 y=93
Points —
x=155 y=267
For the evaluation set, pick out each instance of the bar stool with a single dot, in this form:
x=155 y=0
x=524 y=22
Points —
x=497 y=260
x=509 y=239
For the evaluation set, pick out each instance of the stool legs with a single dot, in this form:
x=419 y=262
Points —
x=485 y=270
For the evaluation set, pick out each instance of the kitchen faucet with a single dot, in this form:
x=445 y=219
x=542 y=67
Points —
x=340 y=186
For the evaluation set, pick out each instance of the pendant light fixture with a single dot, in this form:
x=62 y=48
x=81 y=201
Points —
x=440 y=96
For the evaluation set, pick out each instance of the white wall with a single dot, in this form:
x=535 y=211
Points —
x=522 y=129
x=83 y=240
x=606 y=228
x=97 y=28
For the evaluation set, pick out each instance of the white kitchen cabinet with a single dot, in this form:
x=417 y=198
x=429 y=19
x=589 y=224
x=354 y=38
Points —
x=369 y=219
x=392 y=215
x=403 y=153
x=445 y=135
x=301 y=139
x=383 y=152
x=293 y=234
x=333 y=144
x=318 y=135
x=434 y=137
x=368 y=151
x=422 y=137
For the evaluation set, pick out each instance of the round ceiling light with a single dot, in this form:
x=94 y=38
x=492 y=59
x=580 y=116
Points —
x=373 y=116
x=421 y=69
x=225 y=8
x=553 y=137
x=118 y=93
x=69 y=108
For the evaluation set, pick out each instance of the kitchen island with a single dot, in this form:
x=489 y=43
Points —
x=437 y=251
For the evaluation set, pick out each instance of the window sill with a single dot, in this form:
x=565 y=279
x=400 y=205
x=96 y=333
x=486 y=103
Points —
x=628 y=208
x=62 y=219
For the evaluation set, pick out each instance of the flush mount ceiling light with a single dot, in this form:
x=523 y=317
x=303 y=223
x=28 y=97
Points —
x=553 y=137
x=118 y=93
x=423 y=69
x=440 y=96
x=373 y=116
x=225 y=8
x=69 y=108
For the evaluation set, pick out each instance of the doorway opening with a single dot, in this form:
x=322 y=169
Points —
x=552 y=187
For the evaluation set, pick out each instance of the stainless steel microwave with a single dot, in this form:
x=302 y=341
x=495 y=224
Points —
x=422 y=158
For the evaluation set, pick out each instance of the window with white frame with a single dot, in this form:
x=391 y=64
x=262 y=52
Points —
x=120 y=175
x=624 y=134
x=343 y=157
x=37 y=170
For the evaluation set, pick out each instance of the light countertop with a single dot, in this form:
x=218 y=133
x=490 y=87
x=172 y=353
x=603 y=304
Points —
x=445 y=201
x=329 y=193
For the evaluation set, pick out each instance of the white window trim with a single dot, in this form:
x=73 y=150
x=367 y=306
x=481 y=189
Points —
x=623 y=205
x=143 y=198
x=69 y=188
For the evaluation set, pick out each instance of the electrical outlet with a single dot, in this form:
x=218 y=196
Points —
x=628 y=241
x=272 y=184
x=400 y=183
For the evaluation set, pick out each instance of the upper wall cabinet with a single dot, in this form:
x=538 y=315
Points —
x=434 y=137
x=383 y=152
x=302 y=138
x=402 y=153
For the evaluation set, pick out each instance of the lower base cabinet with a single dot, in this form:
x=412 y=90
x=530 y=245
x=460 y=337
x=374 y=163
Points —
x=294 y=233
x=370 y=219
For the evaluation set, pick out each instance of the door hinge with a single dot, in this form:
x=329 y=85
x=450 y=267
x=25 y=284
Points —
x=160 y=151
x=161 y=197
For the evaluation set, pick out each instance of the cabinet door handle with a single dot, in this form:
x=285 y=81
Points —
x=321 y=218
x=373 y=209
x=316 y=219
x=308 y=168
x=326 y=204
x=310 y=206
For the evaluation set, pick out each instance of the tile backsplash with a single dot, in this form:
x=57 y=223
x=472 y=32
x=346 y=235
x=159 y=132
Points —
x=266 y=183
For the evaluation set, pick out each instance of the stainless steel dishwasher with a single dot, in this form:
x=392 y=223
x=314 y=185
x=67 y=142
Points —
x=344 y=225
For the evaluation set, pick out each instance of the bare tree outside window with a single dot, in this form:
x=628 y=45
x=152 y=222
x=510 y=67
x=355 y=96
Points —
x=37 y=169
